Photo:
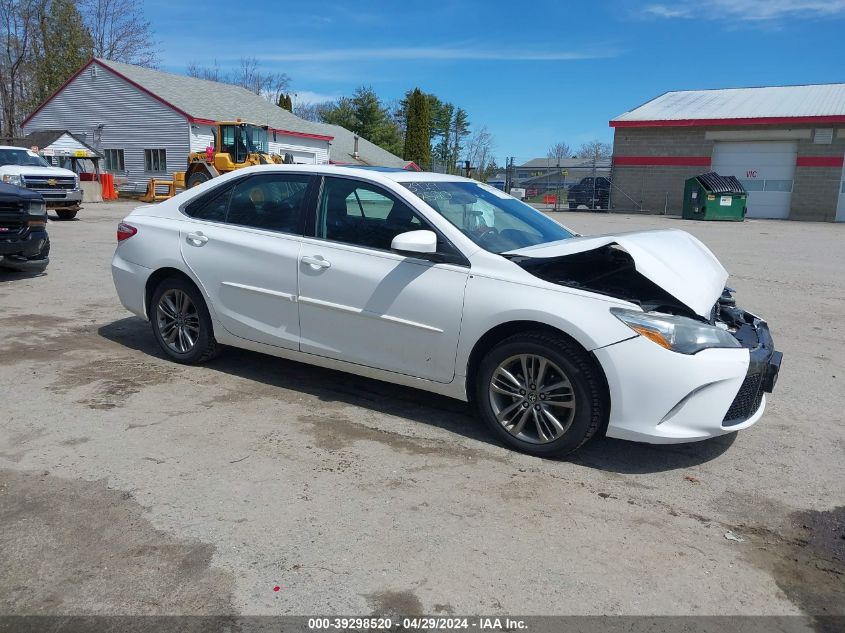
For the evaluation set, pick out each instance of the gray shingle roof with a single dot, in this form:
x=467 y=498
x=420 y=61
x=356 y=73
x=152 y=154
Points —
x=45 y=138
x=212 y=100
x=343 y=146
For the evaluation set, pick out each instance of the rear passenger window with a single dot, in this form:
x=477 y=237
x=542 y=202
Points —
x=276 y=202
x=210 y=207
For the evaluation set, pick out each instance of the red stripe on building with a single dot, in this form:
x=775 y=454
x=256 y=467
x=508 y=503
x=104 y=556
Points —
x=771 y=120
x=820 y=161
x=663 y=161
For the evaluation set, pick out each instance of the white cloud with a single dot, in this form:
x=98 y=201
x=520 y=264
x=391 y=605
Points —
x=748 y=10
x=663 y=11
x=307 y=96
x=436 y=54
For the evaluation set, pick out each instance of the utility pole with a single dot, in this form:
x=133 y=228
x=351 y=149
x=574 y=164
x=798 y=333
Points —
x=559 y=174
x=508 y=170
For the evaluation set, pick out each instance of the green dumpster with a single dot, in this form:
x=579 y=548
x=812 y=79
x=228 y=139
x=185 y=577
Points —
x=714 y=197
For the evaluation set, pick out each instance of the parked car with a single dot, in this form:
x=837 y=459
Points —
x=592 y=192
x=24 y=244
x=59 y=187
x=452 y=286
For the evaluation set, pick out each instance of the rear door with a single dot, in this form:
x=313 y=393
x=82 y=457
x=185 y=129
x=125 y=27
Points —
x=242 y=242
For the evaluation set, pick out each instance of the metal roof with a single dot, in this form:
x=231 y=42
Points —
x=819 y=103
x=211 y=100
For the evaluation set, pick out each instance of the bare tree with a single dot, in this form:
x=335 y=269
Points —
x=479 y=152
x=310 y=111
x=120 y=32
x=18 y=21
x=595 y=150
x=211 y=73
x=247 y=75
x=559 y=151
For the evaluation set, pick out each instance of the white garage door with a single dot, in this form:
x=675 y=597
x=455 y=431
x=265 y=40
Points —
x=840 y=208
x=766 y=169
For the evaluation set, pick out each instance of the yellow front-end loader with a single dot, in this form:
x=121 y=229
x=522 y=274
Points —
x=236 y=145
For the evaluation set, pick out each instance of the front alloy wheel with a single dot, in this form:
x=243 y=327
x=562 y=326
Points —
x=541 y=393
x=178 y=321
x=532 y=398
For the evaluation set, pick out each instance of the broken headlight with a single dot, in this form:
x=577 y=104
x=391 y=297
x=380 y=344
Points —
x=679 y=334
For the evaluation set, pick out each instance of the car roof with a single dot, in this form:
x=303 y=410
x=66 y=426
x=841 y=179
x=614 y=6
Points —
x=366 y=172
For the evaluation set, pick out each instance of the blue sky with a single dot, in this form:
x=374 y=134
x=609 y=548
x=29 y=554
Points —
x=533 y=72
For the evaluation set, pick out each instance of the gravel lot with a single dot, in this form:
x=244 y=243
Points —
x=131 y=485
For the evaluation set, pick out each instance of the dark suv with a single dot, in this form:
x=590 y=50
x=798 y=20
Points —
x=594 y=195
x=24 y=244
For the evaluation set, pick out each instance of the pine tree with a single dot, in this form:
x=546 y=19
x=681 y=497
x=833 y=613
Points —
x=459 y=131
x=418 y=129
x=285 y=102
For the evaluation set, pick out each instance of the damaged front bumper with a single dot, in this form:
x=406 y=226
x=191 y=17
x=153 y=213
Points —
x=763 y=368
x=662 y=397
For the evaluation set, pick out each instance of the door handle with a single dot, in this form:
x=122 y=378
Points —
x=316 y=262
x=196 y=239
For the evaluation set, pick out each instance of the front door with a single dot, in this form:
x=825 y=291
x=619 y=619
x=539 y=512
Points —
x=242 y=242
x=360 y=302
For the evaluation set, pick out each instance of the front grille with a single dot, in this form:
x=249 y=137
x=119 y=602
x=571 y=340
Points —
x=747 y=401
x=47 y=183
x=10 y=230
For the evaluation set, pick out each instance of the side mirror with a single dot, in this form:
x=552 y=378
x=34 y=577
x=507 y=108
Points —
x=415 y=242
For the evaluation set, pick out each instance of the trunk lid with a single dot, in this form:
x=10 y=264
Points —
x=672 y=259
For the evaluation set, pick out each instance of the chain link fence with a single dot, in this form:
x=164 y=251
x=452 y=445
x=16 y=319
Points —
x=553 y=184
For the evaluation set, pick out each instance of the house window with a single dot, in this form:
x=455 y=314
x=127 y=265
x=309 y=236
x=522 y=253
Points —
x=155 y=160
x=114 y=160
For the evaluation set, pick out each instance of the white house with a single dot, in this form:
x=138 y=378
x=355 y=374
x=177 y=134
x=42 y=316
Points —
x=145 y=122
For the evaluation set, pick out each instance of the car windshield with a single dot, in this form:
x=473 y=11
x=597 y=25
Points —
x=491 y=218
x=22 y=157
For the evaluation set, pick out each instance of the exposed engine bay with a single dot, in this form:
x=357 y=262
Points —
x=608 y=270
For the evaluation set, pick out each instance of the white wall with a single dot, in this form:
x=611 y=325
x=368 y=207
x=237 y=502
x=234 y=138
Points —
x=304 y=150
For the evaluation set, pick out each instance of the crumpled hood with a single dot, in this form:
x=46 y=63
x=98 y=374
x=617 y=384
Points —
x=673 y=259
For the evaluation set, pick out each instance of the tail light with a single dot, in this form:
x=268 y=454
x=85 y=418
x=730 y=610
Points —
x=125 y=231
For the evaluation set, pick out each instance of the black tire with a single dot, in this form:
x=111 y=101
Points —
x=573 y=206
x=197 y=178
x=205 y=346
x=65 y=214
x=591 y=407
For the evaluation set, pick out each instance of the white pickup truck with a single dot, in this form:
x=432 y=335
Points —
x=59 y=187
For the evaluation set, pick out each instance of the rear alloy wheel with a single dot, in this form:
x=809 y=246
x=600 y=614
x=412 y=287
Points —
x=541 y=394
x=181 y=323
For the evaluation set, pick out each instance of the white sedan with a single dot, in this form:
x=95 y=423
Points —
x=449 y=285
